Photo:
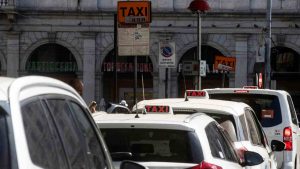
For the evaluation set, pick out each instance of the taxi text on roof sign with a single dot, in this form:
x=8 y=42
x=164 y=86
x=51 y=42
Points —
x=134 y=12
x=157 y=109
x=196 y=93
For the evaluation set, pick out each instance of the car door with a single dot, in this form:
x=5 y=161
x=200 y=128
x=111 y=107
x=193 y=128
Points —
x=257 y=140
x=295 y=127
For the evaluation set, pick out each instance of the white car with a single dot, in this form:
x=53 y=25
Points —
x=167 y=141
x=238 y=119
x=277 y=115
x=44 y=123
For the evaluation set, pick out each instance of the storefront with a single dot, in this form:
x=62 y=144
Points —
x=55 y=61
x=124 y=78
x=213 y=77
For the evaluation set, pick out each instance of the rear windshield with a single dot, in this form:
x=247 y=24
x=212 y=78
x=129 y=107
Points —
x=154 y=145
x=266 y=107
x=4 y=146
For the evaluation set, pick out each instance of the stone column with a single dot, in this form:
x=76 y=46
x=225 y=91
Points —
x=13 y=54
x=156 y=85
x=89 y=62
x=173 y=83
x=241 y=47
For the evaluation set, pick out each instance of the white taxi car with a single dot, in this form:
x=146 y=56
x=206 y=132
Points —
x=44 y=123
x=277 y=115
x=238 y=119
x=170 y=141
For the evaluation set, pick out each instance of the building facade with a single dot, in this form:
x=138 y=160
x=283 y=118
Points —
x=73 y=40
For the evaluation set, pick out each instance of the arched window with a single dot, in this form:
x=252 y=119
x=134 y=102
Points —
x=284 y=59
x=125 y=78
x=212 y=78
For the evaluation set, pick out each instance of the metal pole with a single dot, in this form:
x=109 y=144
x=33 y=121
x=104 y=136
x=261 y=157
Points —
x=115 y=57
x=199 y=48
x=268 y=46
x=135 y=79
x=166 y=83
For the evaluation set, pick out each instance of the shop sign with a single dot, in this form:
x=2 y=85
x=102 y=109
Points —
x=225 y=63
x=134 y=12
x=127 y=67
x=167 y=55
x=51 y=66
x=190 y=68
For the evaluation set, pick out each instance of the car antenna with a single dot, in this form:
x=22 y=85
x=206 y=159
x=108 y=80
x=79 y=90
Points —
x=186 y=99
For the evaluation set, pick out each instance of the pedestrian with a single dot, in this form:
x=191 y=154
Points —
x=93 y=106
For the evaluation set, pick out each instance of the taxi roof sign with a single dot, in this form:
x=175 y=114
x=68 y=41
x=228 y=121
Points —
x=157 y=109
x=134 y=12
x=196 y=94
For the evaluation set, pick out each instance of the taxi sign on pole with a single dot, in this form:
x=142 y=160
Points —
x=134 y=12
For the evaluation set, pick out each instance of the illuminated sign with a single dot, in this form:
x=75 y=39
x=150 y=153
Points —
x=223 y=62
x=134 y=12
x=196 y=93
x=51 y=66
x=127 y=67
x=157 y=109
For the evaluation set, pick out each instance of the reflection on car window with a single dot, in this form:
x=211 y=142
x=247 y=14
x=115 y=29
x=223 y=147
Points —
x=94 y=152
x=4 y=146
x=253 y=130
x=266 y=107
x=41 y=140
x=149 y=144
x=68 y=132
x=292 y=110
x=219 y=144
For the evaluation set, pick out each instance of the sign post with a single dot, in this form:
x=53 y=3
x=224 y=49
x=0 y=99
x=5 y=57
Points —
x=133 y=31
x=167 y=59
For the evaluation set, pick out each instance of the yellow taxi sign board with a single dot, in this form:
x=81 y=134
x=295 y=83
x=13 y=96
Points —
x=134 y=12
x=225 y=63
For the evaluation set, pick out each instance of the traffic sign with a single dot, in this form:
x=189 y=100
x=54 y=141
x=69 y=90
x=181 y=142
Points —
x=167 y=54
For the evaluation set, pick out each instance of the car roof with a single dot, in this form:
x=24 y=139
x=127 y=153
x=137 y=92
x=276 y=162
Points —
x=5 y=82
x=12 y=85
x=230 y=107
x=250 y=91
x=159 y=121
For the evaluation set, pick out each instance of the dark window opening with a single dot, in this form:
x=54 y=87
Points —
x=4 y=142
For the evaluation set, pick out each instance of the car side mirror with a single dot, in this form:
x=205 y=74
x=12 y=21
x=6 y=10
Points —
x=131 y=165
x=252 y=158
x=277 y=145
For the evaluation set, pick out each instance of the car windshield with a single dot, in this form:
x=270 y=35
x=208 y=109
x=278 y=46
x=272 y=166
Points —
x=266 y=107
x=4 y=145
x=153 y=144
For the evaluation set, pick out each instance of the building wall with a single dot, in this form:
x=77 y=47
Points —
x=234 y=27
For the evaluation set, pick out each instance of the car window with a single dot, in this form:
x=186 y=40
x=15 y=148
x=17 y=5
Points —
x=121 y=110
x=260 y=130
x=69 y=133
x=227 y=122
x=292 y=110
x=4 y=144
x=43 y=143
x=253 y=129
x=266 y=107
x=95 y=154
x=219 y=143
x=242 y=120
x=150 y=144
